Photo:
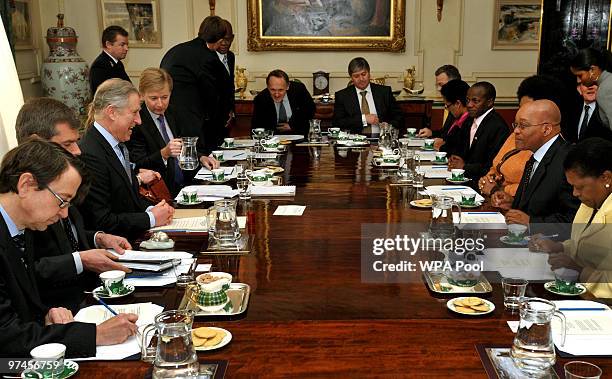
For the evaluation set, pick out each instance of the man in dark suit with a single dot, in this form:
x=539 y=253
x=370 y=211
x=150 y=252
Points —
x=361 y=107
x=155 y=144
x=113 y=203
x=67 y=257
x=108 y=64
x=284 y=106
x=203 y=87
x=444 y=74
x=485 y=136
x=544 y=195
x=37 y=182
x=589 y=124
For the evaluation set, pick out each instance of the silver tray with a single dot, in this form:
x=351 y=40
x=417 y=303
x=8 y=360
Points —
x=437 y=282
x=238 y=295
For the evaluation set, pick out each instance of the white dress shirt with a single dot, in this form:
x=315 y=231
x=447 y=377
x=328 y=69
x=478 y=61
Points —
x=155 y=118
x=540 y=153
x=369 y=99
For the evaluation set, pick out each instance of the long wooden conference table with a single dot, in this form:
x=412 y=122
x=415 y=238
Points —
x=310 y=314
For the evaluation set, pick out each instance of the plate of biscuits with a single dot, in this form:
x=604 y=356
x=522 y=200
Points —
x=470 y=306
x=210 y=338
x=422 y=203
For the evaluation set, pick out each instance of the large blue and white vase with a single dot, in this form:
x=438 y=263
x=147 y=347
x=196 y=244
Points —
x=64 y=73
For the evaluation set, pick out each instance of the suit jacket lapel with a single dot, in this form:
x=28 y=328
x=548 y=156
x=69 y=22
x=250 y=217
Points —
x=376 y=95
x=116 y=164
x=151 y=125
x=355 y=100
x=480 y=130
x=540 y=171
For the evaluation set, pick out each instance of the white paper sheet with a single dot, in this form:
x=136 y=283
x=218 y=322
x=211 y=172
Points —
x=484 y=220
x=187 y=224
x=203 y=267
x=426 y=155
x=413 y=142
x=220 y=191
x=244 y=142
x=588 y=332
x=518 y=263
x=272 y=190
x=97 y=314
x=266 y=155
x=436 y=172
x=289 y=210
x=151 y=255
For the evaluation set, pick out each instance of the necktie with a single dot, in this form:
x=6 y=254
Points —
x=365 y=108
x=225 y=63
x=19 y=241
x=473 y=132
x=282 y=113
x=527 y=176
x=162 y=129
x=585 y=122
x=178 y=174
x=126 y=161
x=71 y=238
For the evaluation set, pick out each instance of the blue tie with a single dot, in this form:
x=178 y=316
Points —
x=178 y=174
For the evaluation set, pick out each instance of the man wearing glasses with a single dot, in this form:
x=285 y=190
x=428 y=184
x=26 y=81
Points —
x=67 y=257
x=37 y=182
x=544 y=195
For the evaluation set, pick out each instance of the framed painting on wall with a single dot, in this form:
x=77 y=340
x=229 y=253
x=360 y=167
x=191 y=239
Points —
x=326 y=25
x=21 y=24
x=516 y=24
x=141 y=18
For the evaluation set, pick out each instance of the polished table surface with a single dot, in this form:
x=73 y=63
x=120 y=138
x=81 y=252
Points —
x=310 y=314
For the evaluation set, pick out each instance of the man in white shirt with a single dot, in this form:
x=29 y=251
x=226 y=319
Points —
x=362 y=106
x=108 y=64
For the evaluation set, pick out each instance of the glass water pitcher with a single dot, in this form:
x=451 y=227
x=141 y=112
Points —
x=533 y=349
x=188 y=160
x=223 y=223
x=441 y=224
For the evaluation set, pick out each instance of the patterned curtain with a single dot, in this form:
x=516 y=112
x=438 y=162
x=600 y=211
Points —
x=6 y=7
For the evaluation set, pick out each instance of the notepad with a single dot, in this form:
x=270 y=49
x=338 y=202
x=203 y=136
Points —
x=482 y=220
x=587 y=332
x=96 y=314
x=436 y=172
x=518 y=263
x=188 y=224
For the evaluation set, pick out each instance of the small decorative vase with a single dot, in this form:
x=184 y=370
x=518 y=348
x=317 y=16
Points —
x=241 y=80
x=409 y=78
x=64 y=72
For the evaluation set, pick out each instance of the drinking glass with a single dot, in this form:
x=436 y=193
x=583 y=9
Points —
x=581 y=370
x=514 y=291
x=183 y=279
x=417 y=179
x=244 y=186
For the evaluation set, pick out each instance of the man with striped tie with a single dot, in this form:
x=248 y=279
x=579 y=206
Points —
x=67 y=256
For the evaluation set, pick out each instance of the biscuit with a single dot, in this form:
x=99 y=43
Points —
x=424 y=202
x=464 y=309
x=481 y=307
x=205 y=333
x=473 y=301
x=460 y=303
x=197 y=341
x=216 y=339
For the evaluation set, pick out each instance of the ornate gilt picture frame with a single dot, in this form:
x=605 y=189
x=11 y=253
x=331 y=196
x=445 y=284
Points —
x=141 y=18
x=326 y=25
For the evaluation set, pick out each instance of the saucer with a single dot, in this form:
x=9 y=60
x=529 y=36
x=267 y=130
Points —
x=441 y=163
x=451 y=305
x=457 y=181
x=506 y=240
x=470 y=206
x=552 y=288
x=224 y=341
x=427 y=148
x=183 y=202
x=70 y=368
x=386 y=165
x=218 y=181
x=101 y=292
x=229 y=147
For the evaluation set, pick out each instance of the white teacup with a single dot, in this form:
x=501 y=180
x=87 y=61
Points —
x=49 y=359
x=457 y=174
x=517 y=231
x=218 y=155
x=411 y=132
x=334 y=131
x=228 y=142
x=112 y=281
x=440 y=156
x=258 y=178
x=429 y=144
x=218 y=174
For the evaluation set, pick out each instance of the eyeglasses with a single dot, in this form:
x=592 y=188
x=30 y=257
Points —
x=525 y=126
x=448 y=105
x=63 y=203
